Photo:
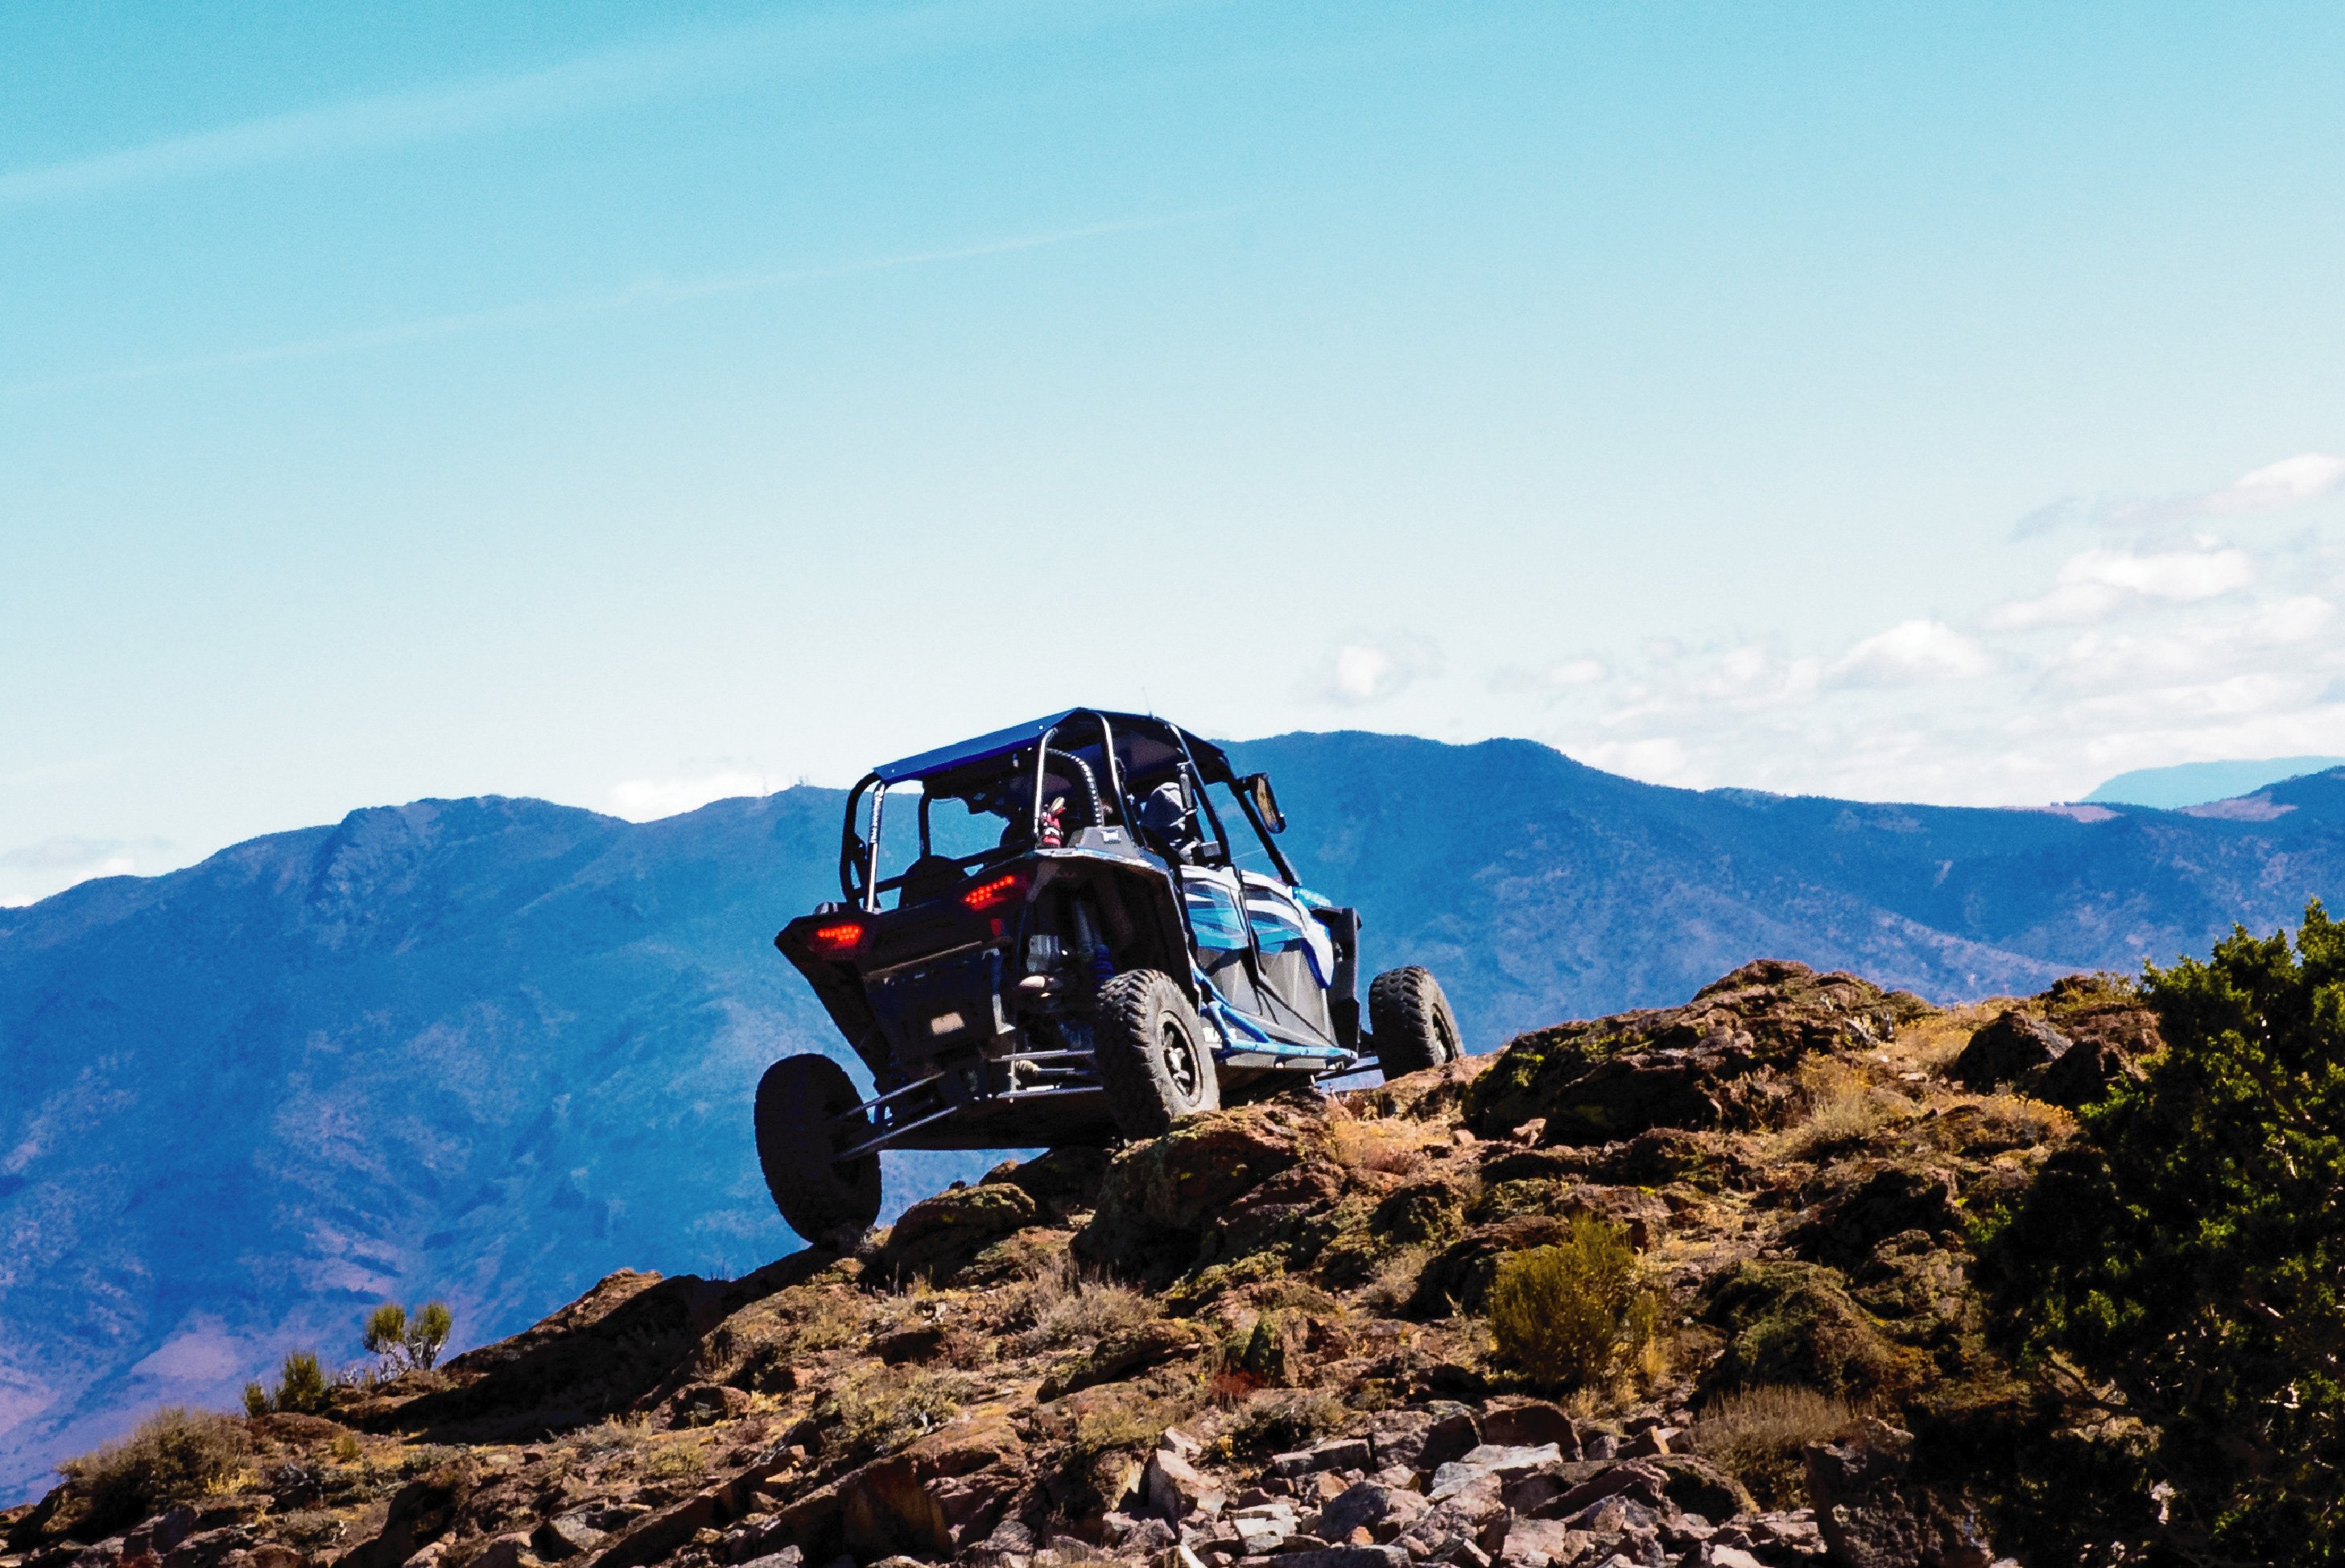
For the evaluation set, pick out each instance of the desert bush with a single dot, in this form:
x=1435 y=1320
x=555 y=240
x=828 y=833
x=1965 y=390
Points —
x=1070 y=1306
x=880 y=1410
x=1391 y=1147
x=1575 y=1314
x=676 y=1461
x=2183 y=1261
x=1393 y=1283
x=173 y=1456
x=1995 y=1123
x=301 y=1388
x=1843 y=1110
x=1789 y=1322
x=821 y=1320
x=610 y=1435
x=1758 y=1435
x=1277 y=1420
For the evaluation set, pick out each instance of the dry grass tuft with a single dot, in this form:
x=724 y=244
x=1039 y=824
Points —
x=1393 y=1284
x=877 y=1410
x=1845 y=1108
x=820 y=1319
x=1278 y=1421
x=1392 y=1147
x=1758 y=1436
x=175 y=1455
x=1991 y=1124
x=1071 y=1306
x=681 y=1460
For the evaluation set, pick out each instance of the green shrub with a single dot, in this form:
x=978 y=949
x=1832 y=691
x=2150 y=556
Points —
x=1789 y=1323
x=2183 y=1265
x=174 y=1455
x=301 y=1384
x=1576 y=1313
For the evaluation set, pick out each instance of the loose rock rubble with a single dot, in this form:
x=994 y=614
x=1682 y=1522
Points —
x=1255 y=1340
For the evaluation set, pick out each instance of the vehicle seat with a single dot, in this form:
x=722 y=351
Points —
x=931 y=877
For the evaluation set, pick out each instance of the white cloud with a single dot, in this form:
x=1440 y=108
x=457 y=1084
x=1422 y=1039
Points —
x=1371 y=669
x=2099 y=583
x=1911 y=651
x=647 y=800
x=2278 y=486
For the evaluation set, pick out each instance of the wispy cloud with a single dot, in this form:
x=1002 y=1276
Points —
x=571 y=308
x=2275 y=487
x=800 y=40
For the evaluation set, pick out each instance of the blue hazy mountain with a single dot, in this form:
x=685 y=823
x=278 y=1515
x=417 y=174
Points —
x=491 y=1050
x=2201 y=784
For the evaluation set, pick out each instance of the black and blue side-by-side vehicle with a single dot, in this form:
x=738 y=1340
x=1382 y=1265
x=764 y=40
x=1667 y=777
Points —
x=1073 y=930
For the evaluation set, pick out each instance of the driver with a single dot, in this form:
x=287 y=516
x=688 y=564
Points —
x=1167 y=816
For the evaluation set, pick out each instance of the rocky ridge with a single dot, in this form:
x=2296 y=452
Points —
x=1260 y=1340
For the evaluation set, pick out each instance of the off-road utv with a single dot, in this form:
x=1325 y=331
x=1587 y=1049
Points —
x=1084 y=931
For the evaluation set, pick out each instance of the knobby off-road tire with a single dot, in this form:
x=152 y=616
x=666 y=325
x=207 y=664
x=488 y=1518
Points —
x=1153 y=1062
x=1410 y=1022
x=829 y=1204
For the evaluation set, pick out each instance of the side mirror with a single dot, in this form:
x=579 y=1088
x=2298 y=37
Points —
x=1265 y=801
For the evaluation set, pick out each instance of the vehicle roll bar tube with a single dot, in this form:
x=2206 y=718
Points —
x=847 y=845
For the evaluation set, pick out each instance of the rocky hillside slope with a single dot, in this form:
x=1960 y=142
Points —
x=1263 y=1339
x=480 y=1048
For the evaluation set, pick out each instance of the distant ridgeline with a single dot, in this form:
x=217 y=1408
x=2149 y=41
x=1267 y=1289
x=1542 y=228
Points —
x=487 y=1050
x=2201 y=784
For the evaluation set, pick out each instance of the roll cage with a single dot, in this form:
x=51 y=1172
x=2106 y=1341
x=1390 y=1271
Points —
x=1108 y=761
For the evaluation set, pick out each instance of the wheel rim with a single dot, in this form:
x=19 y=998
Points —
x=1444 y=1034
x=1180 y=1054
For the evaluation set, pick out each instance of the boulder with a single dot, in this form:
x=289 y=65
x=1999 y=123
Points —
x=1542 y=1543
x=1172 y=1485
x=2082 y=1074
x=943 y=1488
x=1849 y=1227
x=1872 y=1513
x=1528 y=1423
x=1384 y=1511
x=937 y=1235
x=1161 y=1199
x=1127 y=1351
x=1717 y=1060
x=2005 y=1049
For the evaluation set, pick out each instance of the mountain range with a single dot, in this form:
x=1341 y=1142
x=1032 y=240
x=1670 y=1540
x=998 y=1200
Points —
x=489 y=1049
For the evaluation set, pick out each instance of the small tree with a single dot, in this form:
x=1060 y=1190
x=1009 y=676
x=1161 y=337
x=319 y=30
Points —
x=428 y=1334
x=2184 y=1265
x=403 y=1341
x=386 y=1332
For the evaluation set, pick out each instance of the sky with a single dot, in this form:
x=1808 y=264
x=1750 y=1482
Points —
x=632 y=406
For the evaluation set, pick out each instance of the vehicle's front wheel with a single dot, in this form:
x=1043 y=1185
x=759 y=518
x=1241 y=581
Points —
x=828 y=1202
x=1410 y=1022
x=1153 y=1062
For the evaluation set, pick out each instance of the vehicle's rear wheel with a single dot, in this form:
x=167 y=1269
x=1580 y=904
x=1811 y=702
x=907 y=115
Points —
x=1410 y=1022
x=1153 y=1062
x=828 y=1202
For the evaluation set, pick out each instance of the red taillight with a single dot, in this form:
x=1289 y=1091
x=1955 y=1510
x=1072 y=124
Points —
x=995 y=891
x=839 y=939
